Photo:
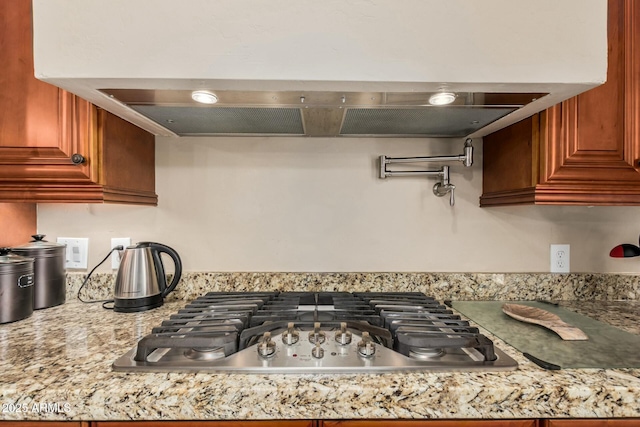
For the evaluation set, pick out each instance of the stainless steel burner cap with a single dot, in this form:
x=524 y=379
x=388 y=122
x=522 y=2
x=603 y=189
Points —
x=204 y=353
x=426 y=353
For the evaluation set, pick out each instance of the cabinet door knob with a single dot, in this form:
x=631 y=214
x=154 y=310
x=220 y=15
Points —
x=77 y=159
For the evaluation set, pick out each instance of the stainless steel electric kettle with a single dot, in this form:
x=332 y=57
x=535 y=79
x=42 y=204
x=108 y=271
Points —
x=141 y=283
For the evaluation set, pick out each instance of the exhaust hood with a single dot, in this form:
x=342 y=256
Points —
x=320 y=113
x=333 y=68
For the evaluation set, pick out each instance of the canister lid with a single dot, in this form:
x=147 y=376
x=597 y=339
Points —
x=38 y=245
x=7 y=258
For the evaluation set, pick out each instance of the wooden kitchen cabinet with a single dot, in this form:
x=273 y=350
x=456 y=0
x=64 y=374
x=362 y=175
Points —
x=44 y=424
x=337 y=423
x=591 y=423
x=248 y=423
x=430 y=423
x=42 y=127
x=584 y=151
x=324 y=423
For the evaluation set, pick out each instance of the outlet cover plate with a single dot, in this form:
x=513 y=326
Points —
x=77 y=252
x=560 y=260
x=115 y=255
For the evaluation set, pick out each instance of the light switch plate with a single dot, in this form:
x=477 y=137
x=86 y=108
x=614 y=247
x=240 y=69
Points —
x=77 y=252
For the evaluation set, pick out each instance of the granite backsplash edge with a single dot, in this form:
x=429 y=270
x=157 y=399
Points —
x=442 y=286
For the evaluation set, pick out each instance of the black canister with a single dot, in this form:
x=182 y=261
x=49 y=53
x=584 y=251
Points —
x=16 y=286
x=50 y=278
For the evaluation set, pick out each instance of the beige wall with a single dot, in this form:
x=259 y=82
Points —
x=295 y=204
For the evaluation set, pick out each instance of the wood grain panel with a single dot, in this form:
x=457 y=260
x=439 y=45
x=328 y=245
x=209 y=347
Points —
x=592 y=423
x=128 y=154
x=41 y=126
x=44 y=424
x=599 y=114
x=586 y=134
x=524 y=196
x=240 y=423
x=77 y=127
x=17 y=223
x=508 y=157
x=51 y=193
x=632 y=82
x=430 y=423
x=26 y=96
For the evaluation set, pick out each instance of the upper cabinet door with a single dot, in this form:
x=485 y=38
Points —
x=584 y=151
x=52 y=143
x=38 y=120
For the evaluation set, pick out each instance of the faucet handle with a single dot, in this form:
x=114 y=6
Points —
x=440 y=190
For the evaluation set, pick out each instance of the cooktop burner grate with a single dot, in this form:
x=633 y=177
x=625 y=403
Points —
x=314 y=332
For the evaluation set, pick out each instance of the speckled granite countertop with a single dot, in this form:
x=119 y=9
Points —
x=57 y=365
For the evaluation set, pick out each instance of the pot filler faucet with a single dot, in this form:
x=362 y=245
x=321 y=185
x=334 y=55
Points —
x=444 y=185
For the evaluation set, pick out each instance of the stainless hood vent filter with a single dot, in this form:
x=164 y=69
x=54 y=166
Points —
x=189 y=121
x=370 y=114
x=427 y=121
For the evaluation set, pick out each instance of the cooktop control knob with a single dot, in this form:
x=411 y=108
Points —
x=343 y=337
x=366 y=346
x=266 y=346
x=317 y=351
x=290 y=336
x=317 y=336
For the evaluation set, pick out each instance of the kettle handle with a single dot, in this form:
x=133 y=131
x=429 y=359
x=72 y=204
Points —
x=157 y=249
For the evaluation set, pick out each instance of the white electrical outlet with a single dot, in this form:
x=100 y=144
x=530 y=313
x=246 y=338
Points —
x=77 y=252
x=115 y=255
x=560 y=259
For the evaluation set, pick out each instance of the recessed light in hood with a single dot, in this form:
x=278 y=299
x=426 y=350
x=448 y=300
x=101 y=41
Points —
x=292 y=113
x=442 y=98
x=204 y=97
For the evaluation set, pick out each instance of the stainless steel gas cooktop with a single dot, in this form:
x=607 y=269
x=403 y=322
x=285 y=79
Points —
x=314 y=332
